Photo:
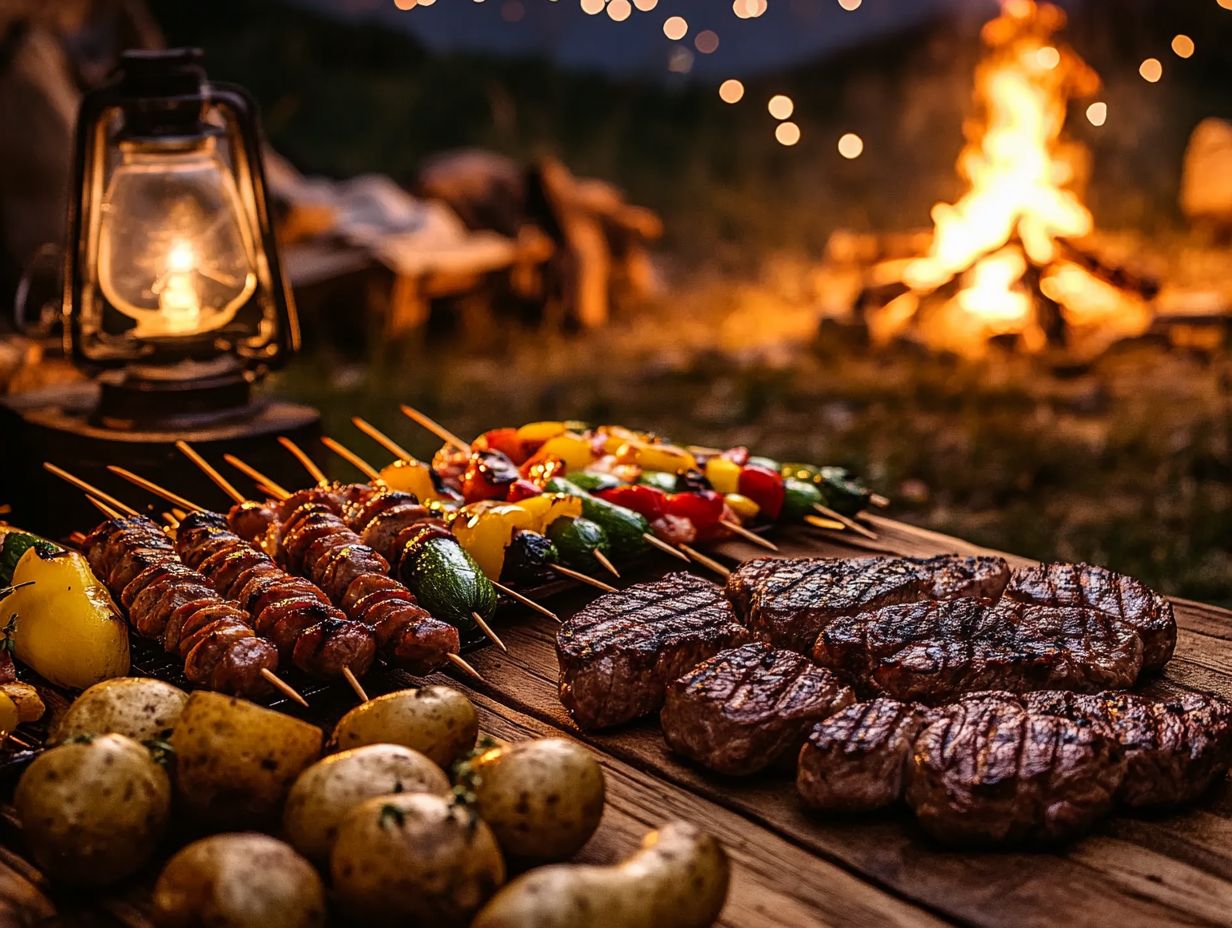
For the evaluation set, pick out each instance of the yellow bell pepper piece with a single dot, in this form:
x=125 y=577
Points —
x=742 y=506
x=485 y=531
x=541 y=431
x=8 y=714
x=549 y=507
x=410 y=477
x=616 y=437
x=724 y=475
x=574 y=450
x=66 y=626
x=667 y=458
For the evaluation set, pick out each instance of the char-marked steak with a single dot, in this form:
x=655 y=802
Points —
x=788 y=601
x=618 y=654
x=1122 y=597
x=989 y=771
x=746 y=708
x=933 y=652
x=856 y=760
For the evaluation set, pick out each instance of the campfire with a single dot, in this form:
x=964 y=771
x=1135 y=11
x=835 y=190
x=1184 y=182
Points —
x=1013 y=259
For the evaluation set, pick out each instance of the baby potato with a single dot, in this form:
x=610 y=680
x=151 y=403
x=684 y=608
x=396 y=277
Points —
x=678 y=879
x=243 y=880
x=414 y=860
x=235 y=761
x=140 y=707
x=542 y=799
x=434 y=720
x=93 y=811
x=331 y=787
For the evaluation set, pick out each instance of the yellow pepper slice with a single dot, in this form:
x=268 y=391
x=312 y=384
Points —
x=742 y=506
x=668 y=458
x=541 y=431
x=574 y=450
x=724 y=475
x=8 y=713
x=549 y=507
x=486 y=529
x=410 y=477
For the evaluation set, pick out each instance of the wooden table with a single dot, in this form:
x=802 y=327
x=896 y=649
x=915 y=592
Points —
x=793 y=868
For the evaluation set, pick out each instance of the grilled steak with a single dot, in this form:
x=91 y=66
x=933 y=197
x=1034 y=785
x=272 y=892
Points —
x=1124 y=598
x=1175 y=748
x=618 y=654
x=989 y=771
x=744 y=709
x=788 y=601
x=856 y=760
x=933 y=652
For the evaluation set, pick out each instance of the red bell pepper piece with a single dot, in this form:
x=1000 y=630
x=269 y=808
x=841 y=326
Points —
x=704 y=508
x=764 y=487
x=523 y=489
x=648 y=501
x=505 y=441
x=488 y=475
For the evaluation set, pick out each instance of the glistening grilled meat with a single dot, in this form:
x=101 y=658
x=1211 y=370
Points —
x=988 y=771
x=618 y=654
x=856 y=760
x=746 y=708
x=933 y=652
x=788 y=601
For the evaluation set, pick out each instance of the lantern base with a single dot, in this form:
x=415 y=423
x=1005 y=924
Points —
x=187 y=395
x=59 y=424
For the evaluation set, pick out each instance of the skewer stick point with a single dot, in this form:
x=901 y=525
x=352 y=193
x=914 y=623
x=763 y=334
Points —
x=706 y=561
x=382 y=439
x=149 y=485
x=845 y=520
x=749 y=536
x=349 y=675
x=210 y=471
x=607 y=565
x=583 y=578
x=829 y=524
x=434 y=427
x=351 y=458
x=17 y=740
x=463 y=665
x=102 y=507
x=881 y=502
x=90 y=489
x=487 y=630
x=526 y=601
x=249 y=471
x=283 y=686
x=664 y=547
x=302 y=456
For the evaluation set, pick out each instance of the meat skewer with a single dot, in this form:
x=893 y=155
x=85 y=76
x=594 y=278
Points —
x=291 y=611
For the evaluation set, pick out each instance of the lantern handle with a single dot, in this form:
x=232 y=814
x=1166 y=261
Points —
x=34 y=314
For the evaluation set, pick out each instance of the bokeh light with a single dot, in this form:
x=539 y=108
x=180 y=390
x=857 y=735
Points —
x=1183 y=46
x=851 y=146
x=1151 y=70
x=1048 y=57
x=680 y=61
x=675 y=28
x=1097 y=113
x=849 y=5
x=748 y=9
x=645 y=5
x=787 y=133
x=731 y=91
x=781 y=106
x=619 y=10
x=406 y=4
x=1226 y=4
x=592 y=7
x=707 y=41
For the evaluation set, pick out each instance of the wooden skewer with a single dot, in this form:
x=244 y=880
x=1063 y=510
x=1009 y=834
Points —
x=77 y=539
x=382 y=439
x=172 y=522
x=583 y=578
x=526 y=601
x=352 y=458
x=349 y=676
x=664 y=546
x=607 y=565
x=19 y=741
x=457 y=661
x=881 y=502
x=283 y=686
x=154 y=488
x=849 y=522
x=706 y=561
x=487 y=630
x=102 y=507
x=250 y=471
x=89 y=488
x=308 y=463
x=434 y=427
x=210 y=471
x=753 y=537
x=830 y=524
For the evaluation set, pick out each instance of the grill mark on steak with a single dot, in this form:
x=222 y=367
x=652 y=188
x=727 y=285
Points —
x=747 y=708
x=618 y=654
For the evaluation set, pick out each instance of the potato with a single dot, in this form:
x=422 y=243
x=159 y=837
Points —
x=414 y=860
x=331 y=787
x=434 y=720
x=67 y=627
x=243 y=880
x=93 y=812
x=677 y=880
x=140 y=707
x=235 y=761
x=542 y=799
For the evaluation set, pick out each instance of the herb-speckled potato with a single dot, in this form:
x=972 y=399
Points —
x=93 y=811
x=241 y=880
x=542 y=799
x=677 y=880
x=140 y=707
x=330 y=788
x=416 y=860
x=235 y=761
x=434 y=720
